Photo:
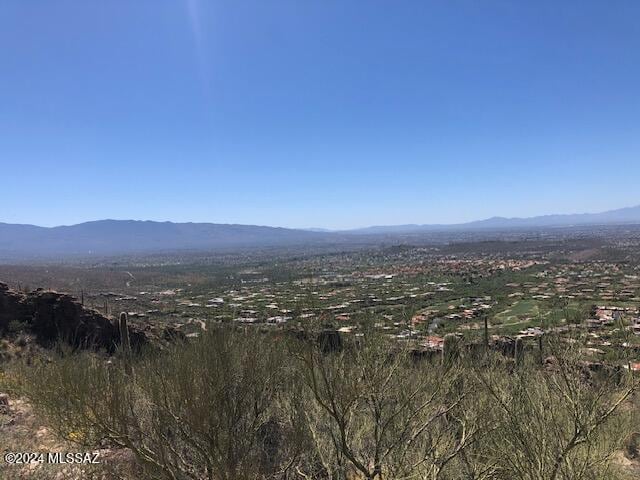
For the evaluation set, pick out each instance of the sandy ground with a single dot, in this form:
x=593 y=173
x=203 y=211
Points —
x=22 y=431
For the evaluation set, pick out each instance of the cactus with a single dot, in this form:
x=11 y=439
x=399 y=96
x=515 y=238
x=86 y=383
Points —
x=540 y=350
x=519 y=351
x=125 y=343
x=486 y=332
x=450 y=348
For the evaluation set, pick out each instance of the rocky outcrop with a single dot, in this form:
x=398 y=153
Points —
x=11 y=307
x=52 y=317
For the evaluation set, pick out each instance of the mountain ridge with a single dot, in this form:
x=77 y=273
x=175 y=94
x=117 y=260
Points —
x=617 y=216
x=111 y=237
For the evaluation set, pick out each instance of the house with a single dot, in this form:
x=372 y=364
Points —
x=596 y=323
x=635 y=325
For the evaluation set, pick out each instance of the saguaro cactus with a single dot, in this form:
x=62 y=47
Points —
x=450 y=348
x=125 y=343
x=540 y=350
x=519 y=351
x=486 y=332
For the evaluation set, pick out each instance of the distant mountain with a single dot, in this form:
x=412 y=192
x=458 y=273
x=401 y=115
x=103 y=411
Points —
x=398 y=229
x=110 y=237
x=317 y=230
x=630 y=215
x=125 y=237
x=619 y=216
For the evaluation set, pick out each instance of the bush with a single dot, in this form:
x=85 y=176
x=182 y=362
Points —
x=235 y=405
x=202 y=411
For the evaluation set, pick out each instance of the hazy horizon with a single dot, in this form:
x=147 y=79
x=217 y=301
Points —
x=313 y=227
x=337 y=114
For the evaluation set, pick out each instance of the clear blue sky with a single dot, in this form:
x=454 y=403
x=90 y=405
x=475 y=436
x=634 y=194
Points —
x=323 y=113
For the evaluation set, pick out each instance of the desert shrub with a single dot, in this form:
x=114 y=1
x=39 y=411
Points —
x=373 y=412
x=238 y=405
x=16 y=326
x=206 y=410
x=632 y=445
x=560 y=422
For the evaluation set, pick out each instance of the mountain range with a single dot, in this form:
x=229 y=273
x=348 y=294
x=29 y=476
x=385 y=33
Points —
x=629 y=215
x=111 y=237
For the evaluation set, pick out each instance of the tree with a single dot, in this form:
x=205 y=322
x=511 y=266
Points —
x=562 y=422
x=377 y=414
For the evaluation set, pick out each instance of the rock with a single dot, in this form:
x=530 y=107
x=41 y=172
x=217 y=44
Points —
x=11 y=307
x=53 y=316
x=172 y=334
x=57 y=317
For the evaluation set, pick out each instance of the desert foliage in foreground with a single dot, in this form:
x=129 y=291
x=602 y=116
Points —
x=238 y=405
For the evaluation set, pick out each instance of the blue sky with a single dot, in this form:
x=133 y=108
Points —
x=323 y=113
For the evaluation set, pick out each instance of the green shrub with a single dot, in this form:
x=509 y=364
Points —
x=237 y=405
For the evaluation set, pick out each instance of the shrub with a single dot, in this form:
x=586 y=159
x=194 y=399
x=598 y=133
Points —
x=238 y=405
x=202 y=411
